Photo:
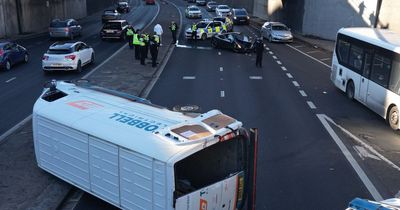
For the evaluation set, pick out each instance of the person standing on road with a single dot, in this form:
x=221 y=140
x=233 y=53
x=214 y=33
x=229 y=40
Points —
x=146 y=38
x=173 y=27
x=194 y=31
x=159 y=31
x=154 y=50
x=142 y=50
x=136 y=43
x=259 y=47
x=129 y=35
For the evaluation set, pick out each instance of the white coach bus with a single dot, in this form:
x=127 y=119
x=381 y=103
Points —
x=136 y=155
x=366 y=65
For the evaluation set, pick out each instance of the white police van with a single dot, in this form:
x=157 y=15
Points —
x=136 y=155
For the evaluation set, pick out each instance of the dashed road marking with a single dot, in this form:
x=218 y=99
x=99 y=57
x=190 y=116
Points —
x=255 y=77
x=222 y=93
x=11 y=79
x=283 y=68
x=271 y=53
x=274 y=57
x=302 y=93
x=311 y=105
x=219 y=53
x=298 y=46
x=308 y=56
x=188 y=77
x=313 y=51
x=267 y=48
x=289 y=75
x=279 y=62
x=295 y=83
x=221 y=68
x=324 y=59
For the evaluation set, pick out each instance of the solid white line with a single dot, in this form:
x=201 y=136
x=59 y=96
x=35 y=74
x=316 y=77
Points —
x=255 y=77
x=274 y=57
x=270 y=52
x=279 y=62
x=295 y=83
x=302 y=93
x=309 y=56
x=11 y=79
x=188 y=77
x=313 y=51
x=283 y=68
x=16 y=127
x=324 y=59
x=221 y=68
x=365 y=145
x=363 y=176
x=298 y=46
x=222 y=93
x=311 y=105
x=289 y=75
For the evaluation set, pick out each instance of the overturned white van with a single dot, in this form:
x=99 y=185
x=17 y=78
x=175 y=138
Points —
x=136 y=155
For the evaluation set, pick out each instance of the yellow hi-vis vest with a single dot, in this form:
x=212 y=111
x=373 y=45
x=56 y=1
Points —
x=217 y=29
x=224 y=27
x=129 y=32
x=201 y=31
x=209 y=30
x=156 y=38
x=194 y=27
x=141 y=42
x=136 y=39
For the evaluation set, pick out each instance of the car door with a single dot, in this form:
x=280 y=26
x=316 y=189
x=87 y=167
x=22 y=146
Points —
x=86 y=52
x=14 y=53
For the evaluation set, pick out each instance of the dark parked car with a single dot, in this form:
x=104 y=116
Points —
x=110 y=14
x=114 y=29
x=64 y=28
x=235 y=41
x=11 y=54
x=211 y=5
x=123 y=7
x=240 y=16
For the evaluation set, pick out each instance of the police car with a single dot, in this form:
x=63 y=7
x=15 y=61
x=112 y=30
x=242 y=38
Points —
x=206 y=29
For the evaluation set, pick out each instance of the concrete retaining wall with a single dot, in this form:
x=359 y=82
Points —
x=8 y=18
x=97 y=5
x=247 y=4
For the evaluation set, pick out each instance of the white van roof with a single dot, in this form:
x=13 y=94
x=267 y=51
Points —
x=385 y=38
x=148 y=129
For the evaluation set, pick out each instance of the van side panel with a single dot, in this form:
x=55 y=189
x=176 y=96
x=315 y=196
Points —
x=104 y=175
x=142 y=181
x=63 y=151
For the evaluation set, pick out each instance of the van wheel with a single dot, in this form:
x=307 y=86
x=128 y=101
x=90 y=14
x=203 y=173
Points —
x=350 y=90
x=203 y=36
x=393 y=118
x=79 y=67
x=8 y=65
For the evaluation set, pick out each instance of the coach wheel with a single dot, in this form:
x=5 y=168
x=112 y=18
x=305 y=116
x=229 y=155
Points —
x=350 y=90
x=394 y=118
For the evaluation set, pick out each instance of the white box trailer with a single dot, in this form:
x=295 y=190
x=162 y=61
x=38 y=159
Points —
x=136 y=155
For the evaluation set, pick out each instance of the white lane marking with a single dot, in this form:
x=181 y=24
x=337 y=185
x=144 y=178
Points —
x=363 y=153
x=362 y=143
x=188 y=77
x=302 y=93
x=222 y=93
x=11 y=79
x=283 y=68
x=313 y=51
x=219 y=53
x=267 y=48
x=364 y=178
x=255 y=77
x=289 y=75
x=295 y=83
x=324 y=59
x=279 y=62
x=221 y=68
x=271 y=53
x=297 y=46
x=13 y=129
x=193 y=47
x=311 y=105
x=308 y=56
x=274 y=57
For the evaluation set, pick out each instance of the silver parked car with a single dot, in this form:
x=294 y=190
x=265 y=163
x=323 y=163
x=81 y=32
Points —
x=276 y=32
x=69 y=28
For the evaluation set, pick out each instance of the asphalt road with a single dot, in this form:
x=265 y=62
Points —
x=21 y=86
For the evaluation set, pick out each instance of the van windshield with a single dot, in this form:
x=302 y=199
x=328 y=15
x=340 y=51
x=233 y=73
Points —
x=210 y=165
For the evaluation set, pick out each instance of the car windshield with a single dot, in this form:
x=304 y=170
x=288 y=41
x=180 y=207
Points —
x=279 y=28
x=58 y=24
x=212 y=3
x=123 y=4
x=109 y=12
x=241 y=37
x=201 y=25
x=58 y=51
x=193 y=9
x=240 y=12
x=112 y=26
x=223 y=7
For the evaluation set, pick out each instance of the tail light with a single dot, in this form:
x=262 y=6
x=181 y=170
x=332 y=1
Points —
x=227 y=136
x=70 y=57
x=45 y=57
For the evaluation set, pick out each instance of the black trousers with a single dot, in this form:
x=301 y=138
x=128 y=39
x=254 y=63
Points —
x=259 y=59
x=154 y=55
x=130 y=41
x=194 y=35
x=174 y=37
x=137 y=52
x=142 y=55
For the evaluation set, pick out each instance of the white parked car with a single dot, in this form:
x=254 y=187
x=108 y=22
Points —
x=67 y=56
x=193 y=12
x=223 y=10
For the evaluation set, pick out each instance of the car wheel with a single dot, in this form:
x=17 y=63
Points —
x=204 y=36
x=8 y=65
x=350 y=90
x=393 y=118
x=92 y=59
x=270 y=38
x=79 y=67
x=26 y=58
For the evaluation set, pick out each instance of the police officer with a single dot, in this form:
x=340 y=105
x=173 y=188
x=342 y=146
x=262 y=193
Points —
x=129 y=36
x=154 y=43
x=142 y=47
x=259 y=47
x=146 y=38
x=136 y=43
x=173 y=27
x=194 y=31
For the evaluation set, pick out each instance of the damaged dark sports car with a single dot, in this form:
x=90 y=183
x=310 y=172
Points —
x=235 y=41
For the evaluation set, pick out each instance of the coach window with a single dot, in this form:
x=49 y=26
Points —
x=394 y=84
x=380 y=71
x=343 y=51
x=356 y=58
